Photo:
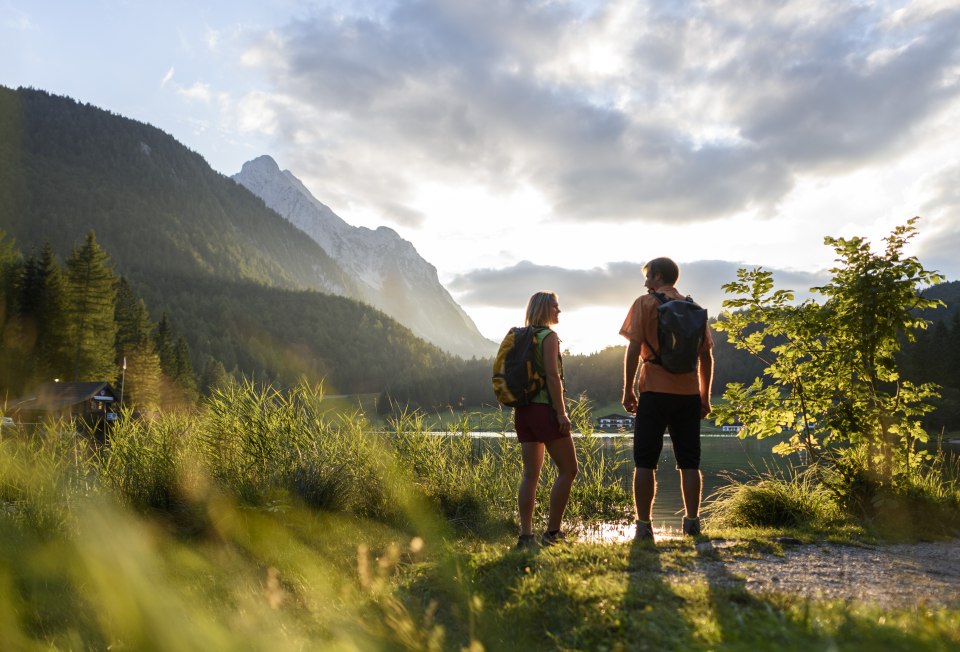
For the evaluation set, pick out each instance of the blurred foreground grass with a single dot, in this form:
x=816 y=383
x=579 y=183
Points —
x=263 y=522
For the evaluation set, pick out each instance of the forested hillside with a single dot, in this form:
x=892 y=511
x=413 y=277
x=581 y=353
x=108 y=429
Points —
x=600 y=375
x=157 y=208
x=225 y=287
x=79 y=321
x=241 y=285
x=281 y=335
x=935 y=356
x=949 y=293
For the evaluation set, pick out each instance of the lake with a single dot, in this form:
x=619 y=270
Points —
x=722 y=455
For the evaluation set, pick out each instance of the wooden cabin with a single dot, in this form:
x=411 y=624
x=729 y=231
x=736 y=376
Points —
x=91 y=405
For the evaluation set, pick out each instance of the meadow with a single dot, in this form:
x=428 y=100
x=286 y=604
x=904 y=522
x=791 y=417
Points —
x=264 y=521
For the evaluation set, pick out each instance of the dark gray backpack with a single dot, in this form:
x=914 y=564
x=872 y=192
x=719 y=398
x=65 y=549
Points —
x=681 y=329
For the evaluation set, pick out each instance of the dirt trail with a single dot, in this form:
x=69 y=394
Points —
x=904 y=575
x=889 y=576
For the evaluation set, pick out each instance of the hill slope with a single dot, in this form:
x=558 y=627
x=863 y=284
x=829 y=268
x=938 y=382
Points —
x=241 y=283
x=949 y=293
x=388 y=271
x=157 y=207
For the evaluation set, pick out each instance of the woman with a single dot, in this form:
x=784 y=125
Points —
x=544 y=424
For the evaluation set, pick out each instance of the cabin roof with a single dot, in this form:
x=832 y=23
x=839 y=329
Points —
x=54 y=396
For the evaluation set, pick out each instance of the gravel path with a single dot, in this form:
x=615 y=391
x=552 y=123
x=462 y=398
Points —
x=889 y=576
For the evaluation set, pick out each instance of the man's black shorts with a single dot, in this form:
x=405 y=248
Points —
x=655 y=413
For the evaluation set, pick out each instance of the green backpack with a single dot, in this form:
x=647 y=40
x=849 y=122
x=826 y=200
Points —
x=516 y=376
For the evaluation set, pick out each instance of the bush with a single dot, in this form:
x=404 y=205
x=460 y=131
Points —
x=144 y=462
x=788 y=499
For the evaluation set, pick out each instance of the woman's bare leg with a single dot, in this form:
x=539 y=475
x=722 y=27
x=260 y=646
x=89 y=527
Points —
x=532 y=455
x=564 y=455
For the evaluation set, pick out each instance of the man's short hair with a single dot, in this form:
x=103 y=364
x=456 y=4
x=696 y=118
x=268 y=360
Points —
x=668 y=270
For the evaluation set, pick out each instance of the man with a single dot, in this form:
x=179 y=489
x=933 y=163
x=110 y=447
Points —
x=677 y=401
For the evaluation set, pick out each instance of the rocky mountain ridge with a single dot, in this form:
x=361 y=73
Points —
x=386 y=270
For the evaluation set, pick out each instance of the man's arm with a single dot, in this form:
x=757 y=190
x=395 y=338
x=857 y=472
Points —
x=631 y=362
x=706 y=381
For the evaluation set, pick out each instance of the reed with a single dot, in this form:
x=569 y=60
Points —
x=263 y=521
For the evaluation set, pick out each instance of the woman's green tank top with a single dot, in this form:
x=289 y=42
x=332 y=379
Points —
x=543 y=396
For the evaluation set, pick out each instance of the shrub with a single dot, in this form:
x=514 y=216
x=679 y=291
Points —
x=143 y=463
x=777 y=499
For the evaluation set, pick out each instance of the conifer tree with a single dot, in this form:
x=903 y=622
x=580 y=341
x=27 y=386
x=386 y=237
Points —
x=40 y=316
x=214 y=376
x=163 y=344
x=90 y=301
x=140 y=380
x=184 y=376
x=10 y=269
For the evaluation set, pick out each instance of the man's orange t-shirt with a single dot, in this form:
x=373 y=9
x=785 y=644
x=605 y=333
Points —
x=641 y=326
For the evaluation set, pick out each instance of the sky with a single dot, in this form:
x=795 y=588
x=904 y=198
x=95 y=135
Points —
x=551 y=145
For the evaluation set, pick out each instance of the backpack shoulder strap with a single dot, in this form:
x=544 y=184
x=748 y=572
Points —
x=662 y=298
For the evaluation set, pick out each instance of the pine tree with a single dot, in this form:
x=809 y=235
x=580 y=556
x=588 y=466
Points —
x=141 y=377
x=184 y=377
x=40 y=318
x=214 y=376
x=163 y=344
x=90 y=325
x=11 y=268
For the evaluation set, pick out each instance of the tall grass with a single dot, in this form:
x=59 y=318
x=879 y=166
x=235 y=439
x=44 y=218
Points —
x=272 y=484
x=262 y=521
x=256 y=481
x=927 y=493
x=822 y=498
x=776 y=498
x=599 y=491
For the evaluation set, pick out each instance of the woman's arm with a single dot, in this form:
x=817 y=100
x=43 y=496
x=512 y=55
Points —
x=551 y=353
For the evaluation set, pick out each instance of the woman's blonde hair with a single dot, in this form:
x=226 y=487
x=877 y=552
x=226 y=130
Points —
x=538 y=309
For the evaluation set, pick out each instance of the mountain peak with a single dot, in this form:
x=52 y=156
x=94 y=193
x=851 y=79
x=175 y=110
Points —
x=264 y=163
x=387 y=270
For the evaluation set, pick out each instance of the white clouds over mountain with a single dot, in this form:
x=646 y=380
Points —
x=613 y=285
x=615 y=111
x=568 y=133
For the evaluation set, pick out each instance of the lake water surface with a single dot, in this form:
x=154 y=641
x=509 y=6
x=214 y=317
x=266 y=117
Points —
x=721 y=456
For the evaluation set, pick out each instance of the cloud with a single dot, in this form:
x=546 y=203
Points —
x=619 y=111
x=940 y=243
x=167 y=77
x=842 y=99
x=17 y=20
x=212 y=39
x=198 y=91
x=615 y=284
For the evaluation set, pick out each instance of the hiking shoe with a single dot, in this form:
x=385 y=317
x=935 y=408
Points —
x=526 y=542
x=691 y=526
x=551 y=538
x=644 y=532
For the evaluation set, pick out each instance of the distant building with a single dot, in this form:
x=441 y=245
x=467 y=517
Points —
x=92 y=405
x=616 y=422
